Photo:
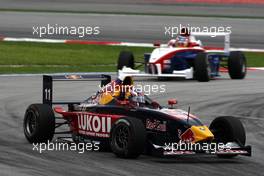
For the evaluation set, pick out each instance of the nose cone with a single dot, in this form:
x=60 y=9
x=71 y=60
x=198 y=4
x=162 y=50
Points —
x=201 y=133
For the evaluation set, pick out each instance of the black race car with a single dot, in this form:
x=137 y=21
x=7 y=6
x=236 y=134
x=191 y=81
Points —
x=131 y=125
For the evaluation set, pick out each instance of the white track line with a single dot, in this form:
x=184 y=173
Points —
x=33 y=40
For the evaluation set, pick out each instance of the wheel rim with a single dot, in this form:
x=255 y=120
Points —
x=121 y=138
x=31 y=123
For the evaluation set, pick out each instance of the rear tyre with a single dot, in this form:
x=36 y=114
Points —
x=39 y=123
x=128 y=137
x=202 y=68
x=237 y=65
x=126 y=58
x=228 y=129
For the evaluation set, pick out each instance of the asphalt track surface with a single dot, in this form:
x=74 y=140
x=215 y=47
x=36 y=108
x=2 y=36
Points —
x=136 y=6
x=241 y=98
x=246 y=33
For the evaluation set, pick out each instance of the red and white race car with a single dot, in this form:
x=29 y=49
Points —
x=190 y=62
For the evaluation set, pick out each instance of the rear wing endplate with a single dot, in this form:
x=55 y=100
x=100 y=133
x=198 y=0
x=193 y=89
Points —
x=47 y=91
x=215 y=34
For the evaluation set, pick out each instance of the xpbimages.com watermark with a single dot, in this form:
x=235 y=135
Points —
x=80 y=147
x=173 y=31
x=79 y=31
x=147 y=89
x=188 y=146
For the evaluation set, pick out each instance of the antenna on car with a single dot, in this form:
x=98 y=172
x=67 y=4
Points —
x=189 y=109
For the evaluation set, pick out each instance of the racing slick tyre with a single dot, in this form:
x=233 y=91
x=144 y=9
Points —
x=39 y=123
x=126 y=58
x=237 y=65
x=128 y=137
x=202 y=68
x=228 y=129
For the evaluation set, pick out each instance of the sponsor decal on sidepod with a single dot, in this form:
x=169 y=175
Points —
x=94 y=125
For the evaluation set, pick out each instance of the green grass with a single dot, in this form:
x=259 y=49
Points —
x=29 y=57
x=43 y=57
x=30 y=69
x=28 y=53
x=255 y=59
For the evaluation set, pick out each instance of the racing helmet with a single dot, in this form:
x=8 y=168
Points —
x=122 y=88
x=128 y=80
x=185 y=32
x=125 y=80
x=183 y=39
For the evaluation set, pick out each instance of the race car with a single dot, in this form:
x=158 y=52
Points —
x=190 y=62
x=129 y=123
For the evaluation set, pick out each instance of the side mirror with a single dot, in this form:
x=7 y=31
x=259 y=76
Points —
x=172 y=102
x=156 y=44
x=124 y=102
x=155 y=105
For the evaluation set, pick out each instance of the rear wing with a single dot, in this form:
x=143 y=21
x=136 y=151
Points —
x=47 y=91
x=225 y=34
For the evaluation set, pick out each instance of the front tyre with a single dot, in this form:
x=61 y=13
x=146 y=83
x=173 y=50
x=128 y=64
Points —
x=228 y=129
x=39 y=123
x=237 y=68
x=201 y=68
x=128 y=137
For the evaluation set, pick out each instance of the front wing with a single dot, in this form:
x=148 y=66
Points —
x=235 y=149
x=187 y=73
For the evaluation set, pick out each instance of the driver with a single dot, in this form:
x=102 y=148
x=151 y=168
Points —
x=185 y=39
x=117 y=92
x=122 y=92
